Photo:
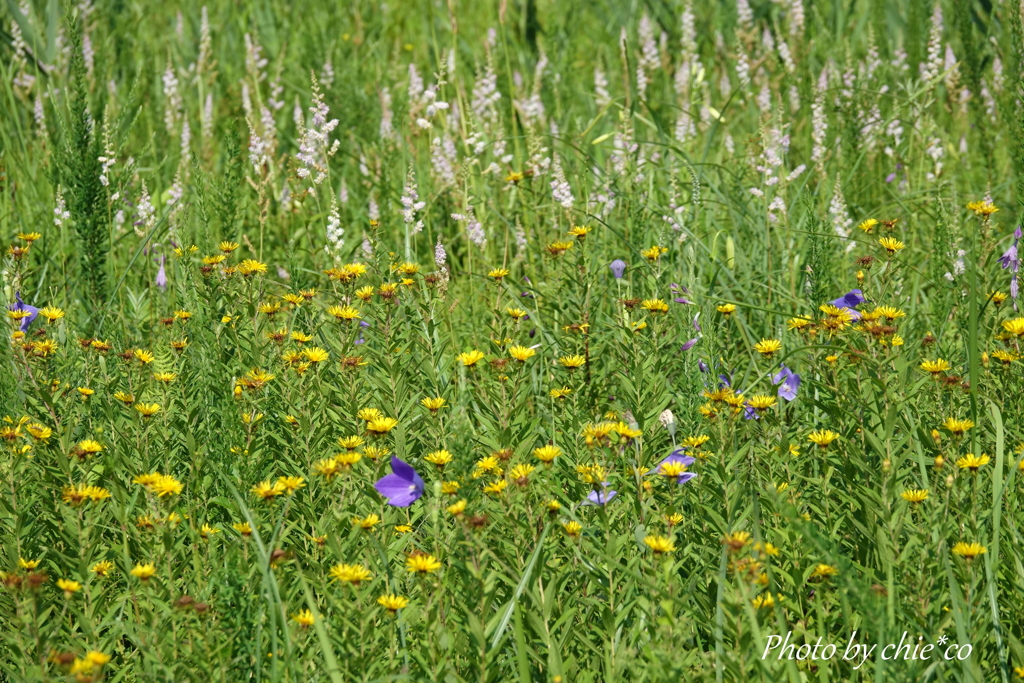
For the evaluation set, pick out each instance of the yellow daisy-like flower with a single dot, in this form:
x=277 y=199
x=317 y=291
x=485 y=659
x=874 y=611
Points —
x=51 y=313
x=973 y=462
x=369 y=414
x=439 y=458
x=85 y=392
x=935 y=367
x=367 y=523
x=433 y=404
x=761 y=402
x=457 y=508
x=290 y=484
x=736 y=541
x=266 y=490
x=1015 y=326
x=768 y=347
x=381 y=425
x=496 y=488
x=392 y=602
x=69 y=587
x=28 y=565
x=228 y=247
x=166 y=485
x=546 y=454
x=315 y=354
x=656 y=306
x=350 y=573
x=470 y=358
x=822 y=437
x=982 y=208
x=522 y=353
x=867 y=225
x=144 y=572
x=572 y=362
x=497 y=274
x=561 y=392
x=915 y=495
x=520 y=474
x=243 y=528
x=165 y=377
x=824 y=571
x=422 y=563
x=799 y=323
x=250 y=267
x=891 y=244
x=364 y=294
x=304 y=618
x=726 y=309
x=102 y=568
x=957 y=426
x=659 y=544
x=516 y=314
x=147 y=409
x=969 y=551
x=654 y=253
x=345 y=313
x=573 y=528
x=350 y=443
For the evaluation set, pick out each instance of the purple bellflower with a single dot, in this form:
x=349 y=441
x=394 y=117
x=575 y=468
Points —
x=161 y=274
x=788 y=381
x=849 y=301
x=690 y=344
x=601 y=497
x=618 y=267
x=403 y=486
x=1011 y=260
x=33 y=312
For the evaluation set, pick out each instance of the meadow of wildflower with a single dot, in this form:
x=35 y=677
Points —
x=532 y=340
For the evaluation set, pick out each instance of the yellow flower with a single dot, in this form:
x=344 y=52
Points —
x=824 y=571
x=88 y=447
x=242 y=528
x=969 y=551
x=266 y=490
x=144 y=572
x=1015 y=326
x=982 y=208
x=102 y=568
x=572 y=362
x=654 y=253
x=573 y=528
x=516 y=314
x=496 y=487
x=560 y=392
x=556 y=249
x=315 y=354
x=659 y=544
x=522 y=353
x=498 y=273
x=762 y=402
x=655 y=306
x=51 y=313
x=85 y=392
x=250 y=267
x=433 y=404
x=228 y=247
x=891 y=244
x=457 y=508
x=972 y=462
x=206 y=531
x=736 y=540
x=421 y=563
x=28 y=565
x=450 y=488
x=367 y=523
x=957 y=426
x=369 y=414
x=166 y=485
x=392 y=602
x=470 y=358
x=520 y=474
x=915 y=495
x=147 y=409
x=935 y=367
x=439 y=458
x=867 y=225
x=822 y=437
x=798 y=323
x=381 y=425
x=290 y=484
x=69 y=587
x=304 y=618
x=767 y=347
x=346 y=313
x=547 y=453
x=726 y=309
x=165 y=377
x=350 y=573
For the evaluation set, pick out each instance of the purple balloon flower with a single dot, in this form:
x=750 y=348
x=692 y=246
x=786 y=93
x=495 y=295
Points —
x=161 y=274
x=702 y=366
x=618 y=267
x=849 y=301
x=33 y=312
x=601 y=497
x=690 y=344
x=682 y=300
x=403 y=486
x=788 y=382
